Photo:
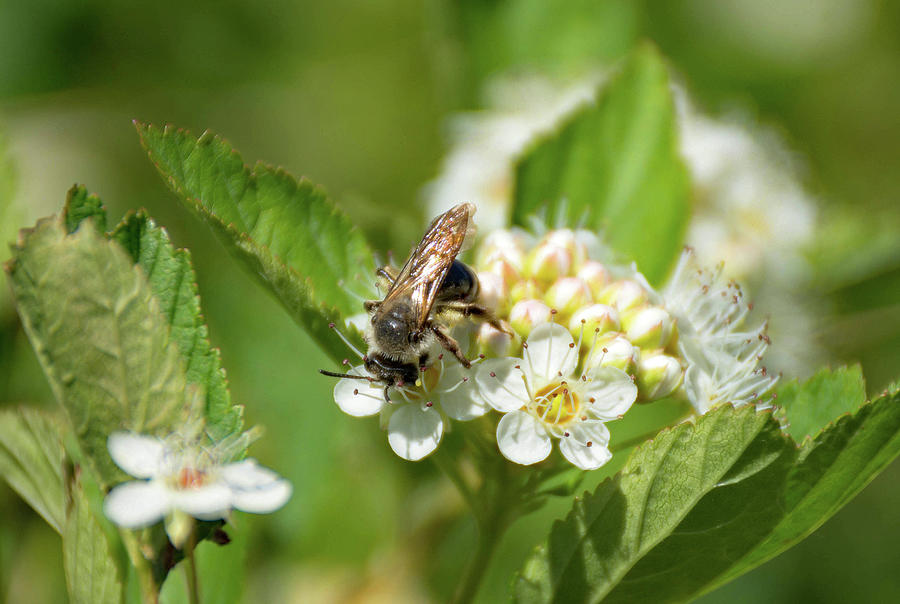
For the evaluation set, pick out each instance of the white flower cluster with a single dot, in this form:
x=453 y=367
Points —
x=591 y=338
x=750 y=209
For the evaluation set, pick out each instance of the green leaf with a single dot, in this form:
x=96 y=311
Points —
x=32 y=459
x=287 y=231
x=821 y=400
x=81 y=205
x=174 y=285
x=10 y=214
x=702 y=504
x=655 y=524
x=617 y=162
x=99 y=335
x=92 y=576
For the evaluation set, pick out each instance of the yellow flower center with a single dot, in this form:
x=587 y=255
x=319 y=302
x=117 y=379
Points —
x=556 y=403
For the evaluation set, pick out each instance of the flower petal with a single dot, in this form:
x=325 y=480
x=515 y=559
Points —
x=138 y=454
x=551 y=351
x=460 y=399
x=414 y=431
x=359 y=398
x=502 y=384
x=208 y=502
x=575 y=447
x=254 y=488
x=522 y=438
x=137 y=504
x=613 y=392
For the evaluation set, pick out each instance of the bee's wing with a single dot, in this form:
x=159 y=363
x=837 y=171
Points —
x=424 y=271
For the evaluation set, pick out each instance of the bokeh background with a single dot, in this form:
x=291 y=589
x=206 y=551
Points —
x=356 y=96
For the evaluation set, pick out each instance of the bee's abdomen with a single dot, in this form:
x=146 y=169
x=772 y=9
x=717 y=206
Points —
x=459 y=284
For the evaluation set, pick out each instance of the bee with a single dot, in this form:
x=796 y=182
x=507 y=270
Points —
x=432 y=289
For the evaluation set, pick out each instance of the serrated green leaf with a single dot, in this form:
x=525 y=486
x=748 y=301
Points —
x=92 y=576
x=835 y=466
x=81 y=205
x=287 y=231
x=174 y=285
x=616 y=161
x=808 y=408
x=670 y=499
x=699 y=506
x=31 y=461
x=171 y=276
x=99 y=335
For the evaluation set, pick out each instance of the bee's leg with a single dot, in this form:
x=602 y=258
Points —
x=385 y=278
x=371 y=305
x=481 y=313
x=449 y=344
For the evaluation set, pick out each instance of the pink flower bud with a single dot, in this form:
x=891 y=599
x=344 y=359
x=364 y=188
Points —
x=595 y=275
x=649 y=326
x=613 y=350
x=623 y=294
x=568 y=295
x=525 y=315
x=547 y=263
x=658 y=376
x=597 y=318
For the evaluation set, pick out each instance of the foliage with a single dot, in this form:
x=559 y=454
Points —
x=703 y=503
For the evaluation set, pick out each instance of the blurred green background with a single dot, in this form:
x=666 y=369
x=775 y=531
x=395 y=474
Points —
x=355 y=96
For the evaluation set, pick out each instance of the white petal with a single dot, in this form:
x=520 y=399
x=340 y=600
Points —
x=359 y=398
x=137 y=454
x=522 y=438
x=575 y=448
x=414 y=431
x=613 y=393
x=137 y=504
x=502 y=384
x=460 y=399
x=551 y=351
x=254 y=488
x=208 y=502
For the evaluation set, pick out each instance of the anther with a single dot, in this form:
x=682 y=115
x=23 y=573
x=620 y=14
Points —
x=566 y=434
x=584 y=418
x=592 y=399
x=572 y=345
x=355 y=391
x=589 y=444
x=345 y=362
x=441 y=357
x=493 y=374
x=429 y=404
x=481 y=356
x=331 y=326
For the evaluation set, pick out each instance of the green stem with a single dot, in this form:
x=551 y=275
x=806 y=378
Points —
x=448 y=466
x=149 y=590
x=488 y=539
x=190 y=571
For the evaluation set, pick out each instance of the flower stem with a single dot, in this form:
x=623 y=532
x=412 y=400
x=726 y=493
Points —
x=488 y=538
x=190 y=570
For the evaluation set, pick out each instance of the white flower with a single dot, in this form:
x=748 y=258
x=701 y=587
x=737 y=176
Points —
x=415 y=416
x=723 y=360
x=544 y=397
x=180 y=475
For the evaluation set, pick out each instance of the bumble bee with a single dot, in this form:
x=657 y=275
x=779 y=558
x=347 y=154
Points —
x=432 y=289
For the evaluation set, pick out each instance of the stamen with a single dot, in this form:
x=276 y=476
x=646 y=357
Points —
x=346 y=341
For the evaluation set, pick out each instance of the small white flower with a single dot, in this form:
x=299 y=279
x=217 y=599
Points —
x=178 y=474
x=415 y=416
x=723 y=360
x=544 y=397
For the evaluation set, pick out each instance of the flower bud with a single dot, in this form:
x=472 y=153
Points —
x=568 y=295
x=503 y=269
x=509 y=245
x=595 y=275
x=623 y=294
x=525 y=315
x=648 y=326
x=493 y=292
x=547 y=263
x=493 y=342
x=523 y=290
x=613 y=350
x=597 y=318
x=566 y=239
x=658 y=376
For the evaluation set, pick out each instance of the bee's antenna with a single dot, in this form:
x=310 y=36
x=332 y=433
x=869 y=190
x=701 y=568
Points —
x=347 y=375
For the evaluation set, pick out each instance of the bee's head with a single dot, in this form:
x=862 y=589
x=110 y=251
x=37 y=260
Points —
x=394 y=331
